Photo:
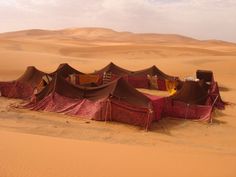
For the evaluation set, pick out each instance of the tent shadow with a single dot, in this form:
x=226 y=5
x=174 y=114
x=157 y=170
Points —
x=167 y=124
x=217 y=114
x=224 y=89
x=218 y=122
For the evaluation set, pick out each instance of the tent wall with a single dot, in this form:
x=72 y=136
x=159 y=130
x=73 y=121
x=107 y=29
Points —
x=101 y=110
x=157 y=105
x=214 y=97
x=22 y=87
x=16 y=89
x=180 y=109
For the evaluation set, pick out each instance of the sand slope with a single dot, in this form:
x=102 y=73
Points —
x=45 y=156
x=49 y=144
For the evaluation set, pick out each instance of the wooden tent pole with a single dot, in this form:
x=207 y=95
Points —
x=211 y=120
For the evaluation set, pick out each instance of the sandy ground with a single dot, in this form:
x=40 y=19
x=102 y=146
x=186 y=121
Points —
x=43 y=144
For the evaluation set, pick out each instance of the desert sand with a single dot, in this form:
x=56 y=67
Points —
x=42 y=144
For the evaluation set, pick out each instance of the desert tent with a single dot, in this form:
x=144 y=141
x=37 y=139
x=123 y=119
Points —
x=76 y=77
x=192 y=92
x=115 y=101
x=189 y=102
x=64 y=70
x=193 y=101
x=139 y=79
x=207 y=78
x=22 y=87
x=114 y=69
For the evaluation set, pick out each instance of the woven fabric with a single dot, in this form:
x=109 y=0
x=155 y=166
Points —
x=125 y=113
x=180 y=109
x=161 y=84
x=16 y=89
x=214 y=97
x=101 y=110
x=157 y=105
x=138 y=82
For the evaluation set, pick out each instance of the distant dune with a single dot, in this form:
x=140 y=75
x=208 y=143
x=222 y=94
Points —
x=38 y=46
x=47 y=48
x=104 y=34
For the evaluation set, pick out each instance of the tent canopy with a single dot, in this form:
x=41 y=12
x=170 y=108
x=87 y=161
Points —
x=114 y=69
x=64 y=70
x=152 y=71
x=31 y=76
x=205 y=75
x=117 y=89
x=192 y=92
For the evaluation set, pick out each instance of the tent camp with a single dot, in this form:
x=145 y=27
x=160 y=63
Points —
x=22 y=87
x=115 y=101
x=72 y=92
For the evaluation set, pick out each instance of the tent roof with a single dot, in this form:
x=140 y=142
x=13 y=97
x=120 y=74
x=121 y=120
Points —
x=153 y=70
x=64 y=70
x=113 y=68
x=192 y=92
x=205 y=75
x=31 y=76
x=119 y=89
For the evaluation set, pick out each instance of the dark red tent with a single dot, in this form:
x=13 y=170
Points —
x=139 y=78
x=115 y=101
x=22 y=87
x=207 y=78
x=152 y=71
x=189 y=102
x=194 y=100
x=191 y=93
x=64 y=70
x=114 y=69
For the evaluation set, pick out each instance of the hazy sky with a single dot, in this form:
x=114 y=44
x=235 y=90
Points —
x=203 y=19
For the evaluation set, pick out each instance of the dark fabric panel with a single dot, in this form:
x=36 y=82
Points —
x=118 y=89
x=114 y=69
x=152 y=71
x=192 y=93
x=32 y=76
x=205 y=75
x=64 y=70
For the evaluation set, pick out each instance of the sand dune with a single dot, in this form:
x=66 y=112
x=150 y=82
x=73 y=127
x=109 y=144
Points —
x=48 y=144
x=103 y=34
x=81 y=45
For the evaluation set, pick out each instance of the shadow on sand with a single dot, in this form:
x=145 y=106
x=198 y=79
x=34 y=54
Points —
x=167 y=124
